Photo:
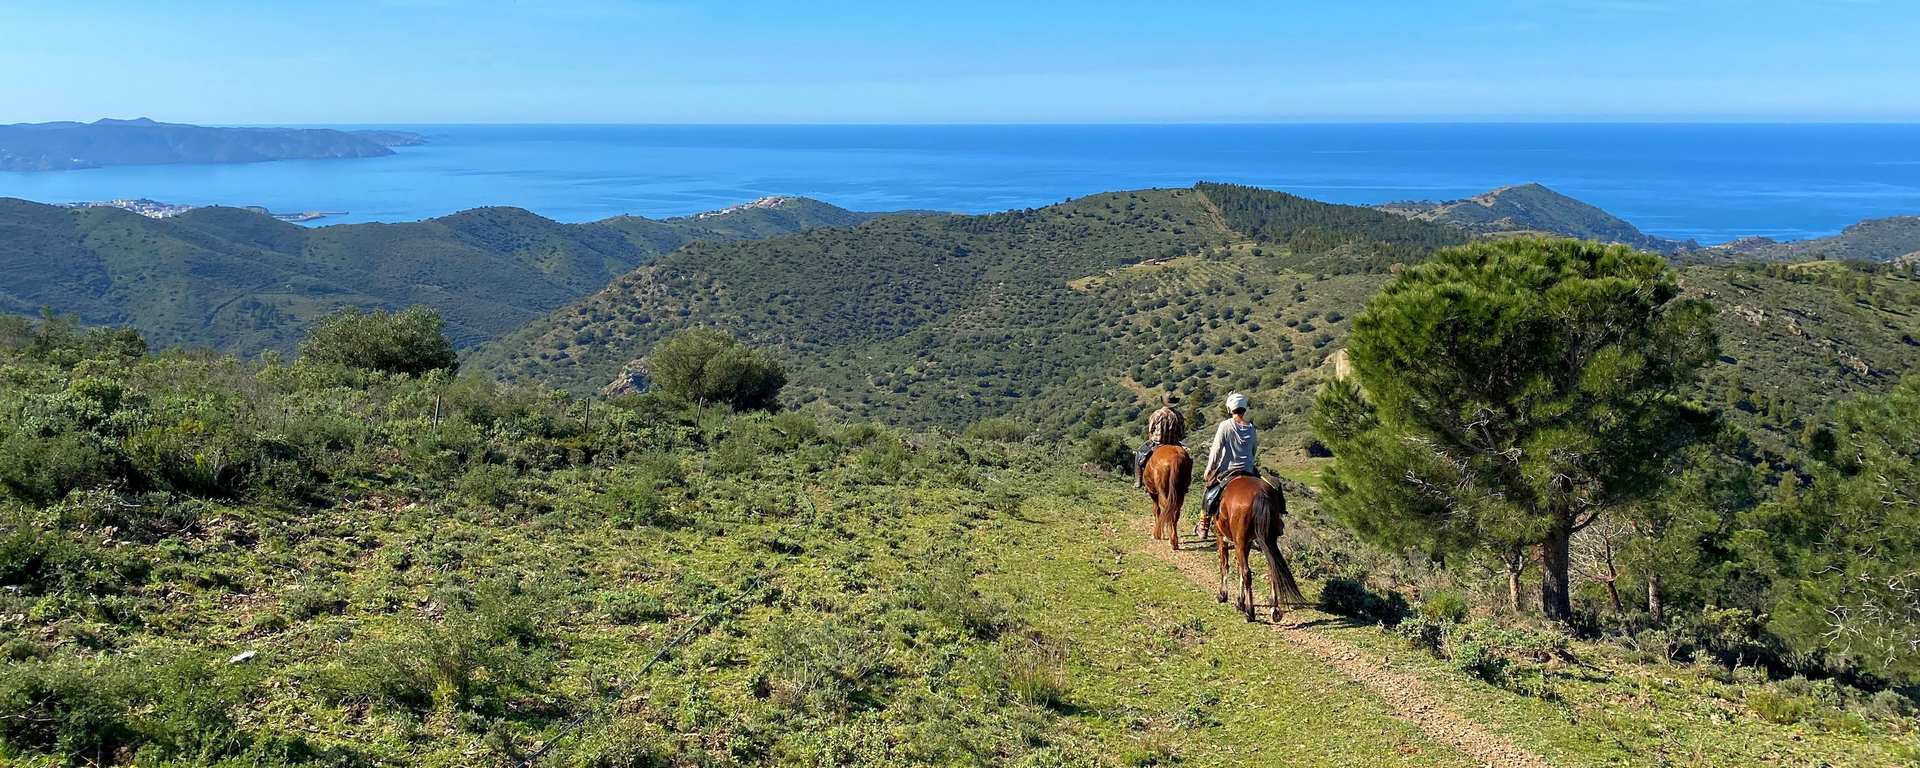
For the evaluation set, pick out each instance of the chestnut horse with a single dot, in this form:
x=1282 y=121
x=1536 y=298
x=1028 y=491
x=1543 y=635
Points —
x=1168 y=475
x=1250 y=515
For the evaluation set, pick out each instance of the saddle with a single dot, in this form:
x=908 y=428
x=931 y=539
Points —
x=1213 y=491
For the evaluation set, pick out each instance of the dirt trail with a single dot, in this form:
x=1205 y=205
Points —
x=1403 y=692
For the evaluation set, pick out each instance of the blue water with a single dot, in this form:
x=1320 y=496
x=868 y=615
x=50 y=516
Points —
x=1709 y=182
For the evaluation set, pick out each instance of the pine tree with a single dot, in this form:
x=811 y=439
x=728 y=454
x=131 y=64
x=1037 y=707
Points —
x=1509 y=393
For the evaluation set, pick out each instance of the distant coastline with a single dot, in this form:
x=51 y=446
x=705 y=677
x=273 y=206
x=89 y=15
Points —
x=154 y=209
x=1711 y=183
x=68 y=146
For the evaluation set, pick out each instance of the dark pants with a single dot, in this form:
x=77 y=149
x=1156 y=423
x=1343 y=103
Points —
x=1139 y=461
x=1212 y=495
x=1140 y=457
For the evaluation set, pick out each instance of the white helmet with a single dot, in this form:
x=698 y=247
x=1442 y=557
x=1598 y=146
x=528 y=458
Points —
x=1236 y=402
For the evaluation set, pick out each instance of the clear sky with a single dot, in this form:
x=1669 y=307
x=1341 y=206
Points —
x=398 y=61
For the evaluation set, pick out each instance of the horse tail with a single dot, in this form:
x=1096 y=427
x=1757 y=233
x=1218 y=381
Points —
x=1266 y=512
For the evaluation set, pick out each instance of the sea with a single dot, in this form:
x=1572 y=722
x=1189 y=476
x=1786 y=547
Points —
x=1708 y=182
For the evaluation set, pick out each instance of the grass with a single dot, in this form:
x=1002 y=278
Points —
x=1611 y=708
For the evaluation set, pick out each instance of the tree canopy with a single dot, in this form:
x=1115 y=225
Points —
x=1509 y=392
x=410 y=342
x=706 y=365
x=1844 y=553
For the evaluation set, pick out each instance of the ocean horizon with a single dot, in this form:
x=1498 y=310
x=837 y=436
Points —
x=1710 y=182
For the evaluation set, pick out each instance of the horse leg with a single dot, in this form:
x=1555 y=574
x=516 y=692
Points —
x=1246 y=579
x=1174 y=517
x=1221 y=545
x=1272 y=550
x=1155 y=498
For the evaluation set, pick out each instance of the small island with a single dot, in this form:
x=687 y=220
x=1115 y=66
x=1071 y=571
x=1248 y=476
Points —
x=66 y=146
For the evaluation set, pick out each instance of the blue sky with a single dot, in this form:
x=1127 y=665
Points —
x=398 y=61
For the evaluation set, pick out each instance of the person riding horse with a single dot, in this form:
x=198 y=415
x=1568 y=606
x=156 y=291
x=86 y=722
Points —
x=1165 y=427
x=1233 y=452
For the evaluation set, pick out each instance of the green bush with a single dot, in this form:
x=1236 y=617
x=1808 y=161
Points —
x=411 y=342
x=997 y=430
x=707 y=366
x=158 y=707
x=629 y=606
x=1036 y=672
x=37 y=560
x=43 y=469
x=489 y=485
x=1780 y=708
x=1444 y=606
x=820 y=667
x=1107 y=451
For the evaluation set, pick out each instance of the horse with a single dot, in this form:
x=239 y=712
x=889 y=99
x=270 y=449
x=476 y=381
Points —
x=1168 y=475
x=1250 y=515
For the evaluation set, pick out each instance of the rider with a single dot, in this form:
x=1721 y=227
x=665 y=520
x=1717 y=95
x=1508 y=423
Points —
x=1166 y=426
x=1233 y=452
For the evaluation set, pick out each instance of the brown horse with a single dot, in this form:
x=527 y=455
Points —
x=1168 y=475
x=1250 y=515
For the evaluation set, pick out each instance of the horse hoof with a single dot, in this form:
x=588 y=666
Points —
x=1277 y=614
x=1222 y=597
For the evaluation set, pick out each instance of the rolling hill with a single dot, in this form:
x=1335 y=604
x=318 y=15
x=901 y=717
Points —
x=1533 y=208
x=1072 y=317
x=953 y=318
x=243 y=282
x=70 y=145
x=1893 y=239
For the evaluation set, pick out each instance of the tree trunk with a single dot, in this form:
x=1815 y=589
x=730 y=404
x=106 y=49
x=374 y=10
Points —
x=1556 y=598
x=1516 y=563
x=1654 y=609
x=1613 y=580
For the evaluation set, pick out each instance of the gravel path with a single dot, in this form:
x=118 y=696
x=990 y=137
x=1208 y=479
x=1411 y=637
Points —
x=1408 y=697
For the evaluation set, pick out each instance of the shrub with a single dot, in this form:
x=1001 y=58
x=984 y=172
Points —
x=44 y=469
x=488 y=485
x=1444 y=606
x=997 y=430
x=1779 y=708
x=40 y=561
x=1107 y=451
x=1035 y=669
x=1889 y=705
x=632 y=607
x=821 y=667
x=707 y=366
x=158 y=707
x=471 y=660
x=411 y=342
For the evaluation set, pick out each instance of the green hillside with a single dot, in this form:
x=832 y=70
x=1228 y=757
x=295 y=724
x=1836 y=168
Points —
x=1533 y=208
x=1073 y=317
x=953 y=318
x=1891 y=239
x=207 y=562
x=242 y=282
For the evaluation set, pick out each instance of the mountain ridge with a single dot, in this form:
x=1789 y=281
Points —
x=1890 y=239
x=1535 y=208
x=242 y=282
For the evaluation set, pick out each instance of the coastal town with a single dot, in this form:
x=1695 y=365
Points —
x=154 y=209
